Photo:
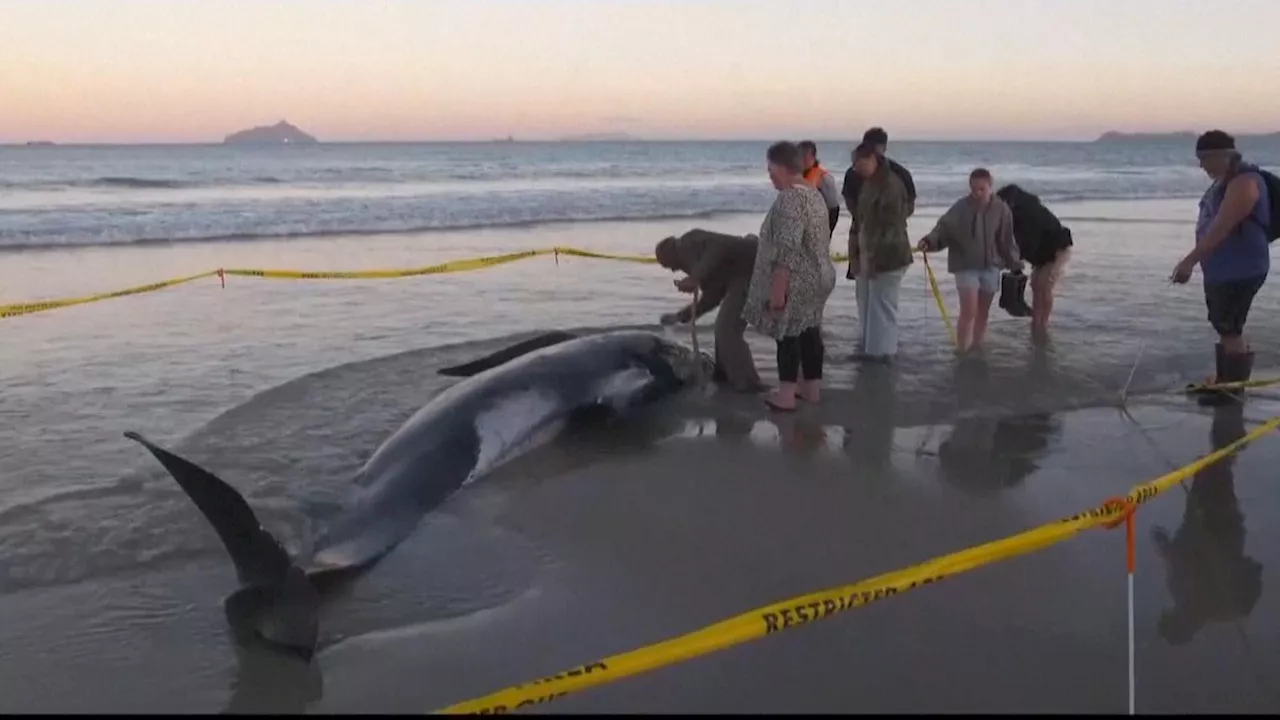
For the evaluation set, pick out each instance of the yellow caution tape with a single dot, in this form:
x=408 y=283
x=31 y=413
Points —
x=17 y=309
x=937 y=297
x=445 y=267
x=806 y=609
x=452 y=266
x=1237 y=385
x=575 y=252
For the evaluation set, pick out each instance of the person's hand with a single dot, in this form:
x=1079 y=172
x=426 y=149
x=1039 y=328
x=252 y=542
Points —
x=923 y=245
x=777 y=304
x=686 y=284
x=670 y=319
x=1182 y=271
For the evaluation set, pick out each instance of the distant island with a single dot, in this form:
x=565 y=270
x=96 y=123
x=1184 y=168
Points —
x=282 y=133
x=1182 y=136
x=40 y=143
x=601 y=137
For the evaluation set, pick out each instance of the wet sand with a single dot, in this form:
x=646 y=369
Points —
x=111 y=584
x=698 y=510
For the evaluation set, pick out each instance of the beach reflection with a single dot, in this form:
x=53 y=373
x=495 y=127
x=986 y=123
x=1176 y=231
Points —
x=984 y=454
x=794 y=434
x=1210 y=578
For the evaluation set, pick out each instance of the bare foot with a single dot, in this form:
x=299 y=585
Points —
x=779 y=401
x=810 y=392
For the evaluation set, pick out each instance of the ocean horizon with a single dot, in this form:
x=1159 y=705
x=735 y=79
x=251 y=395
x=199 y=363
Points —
x=852 y=140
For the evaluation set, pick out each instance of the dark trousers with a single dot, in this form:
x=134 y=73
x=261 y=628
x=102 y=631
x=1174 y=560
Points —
x=833 y=217
x=801 y=352
x=1229 y=304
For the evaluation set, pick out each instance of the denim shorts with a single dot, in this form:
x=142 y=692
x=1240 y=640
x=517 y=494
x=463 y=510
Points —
x=986 y=281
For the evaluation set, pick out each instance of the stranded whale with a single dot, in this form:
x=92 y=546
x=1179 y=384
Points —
x=511 y=402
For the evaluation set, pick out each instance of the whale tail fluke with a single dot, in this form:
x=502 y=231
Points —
x=285 y=614
x=278 y=601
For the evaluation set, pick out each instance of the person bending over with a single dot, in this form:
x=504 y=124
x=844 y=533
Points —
x=1043 y=242
x=720 y=265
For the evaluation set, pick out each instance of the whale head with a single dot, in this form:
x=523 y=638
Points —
x=688 y=367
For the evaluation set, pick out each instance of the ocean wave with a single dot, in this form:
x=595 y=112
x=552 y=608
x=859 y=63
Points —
x=1120 y=220
x=125 y=182
x=362 y=227
x=388 y=229
x=378 y=176
x=131 y=182
x=266 y=197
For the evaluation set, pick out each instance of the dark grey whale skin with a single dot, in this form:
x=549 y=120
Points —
x=532 y=391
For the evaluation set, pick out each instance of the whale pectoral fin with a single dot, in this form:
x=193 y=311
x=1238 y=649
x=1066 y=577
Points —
x=505 y=355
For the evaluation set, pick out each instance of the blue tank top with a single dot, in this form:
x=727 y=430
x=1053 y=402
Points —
x=1244 y=253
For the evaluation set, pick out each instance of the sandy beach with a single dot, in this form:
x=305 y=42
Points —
x=112 y=584
x=209 y=226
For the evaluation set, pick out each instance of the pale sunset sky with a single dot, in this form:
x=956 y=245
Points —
x=121 y=71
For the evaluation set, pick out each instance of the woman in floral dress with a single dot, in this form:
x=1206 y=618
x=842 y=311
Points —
x=792 y=278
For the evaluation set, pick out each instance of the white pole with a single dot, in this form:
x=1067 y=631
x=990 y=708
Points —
x=1130 y=562
x=1132 y=680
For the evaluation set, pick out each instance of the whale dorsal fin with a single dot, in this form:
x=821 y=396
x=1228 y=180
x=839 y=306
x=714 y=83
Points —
x=506 y=355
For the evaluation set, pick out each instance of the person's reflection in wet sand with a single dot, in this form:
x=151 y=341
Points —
x=733 y=425
x=869 y=439
x=1208 y=574
x=800 y=433
x=983 y=454
x=1040 y=369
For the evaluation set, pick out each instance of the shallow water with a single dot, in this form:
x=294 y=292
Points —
x=112 y=584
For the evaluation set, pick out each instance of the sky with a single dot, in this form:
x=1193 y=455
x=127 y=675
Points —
x=125 y=71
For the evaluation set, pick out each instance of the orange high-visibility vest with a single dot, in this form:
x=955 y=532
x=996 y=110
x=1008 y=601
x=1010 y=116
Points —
x=813 y=176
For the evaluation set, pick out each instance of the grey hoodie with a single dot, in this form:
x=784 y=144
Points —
x=976 y=238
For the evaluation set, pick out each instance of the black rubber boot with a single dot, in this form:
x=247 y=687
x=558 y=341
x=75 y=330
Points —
x=1235 y=368
x=1013 y=294
x=1199 y=388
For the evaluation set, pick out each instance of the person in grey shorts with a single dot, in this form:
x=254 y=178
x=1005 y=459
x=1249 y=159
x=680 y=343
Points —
x=977 y=233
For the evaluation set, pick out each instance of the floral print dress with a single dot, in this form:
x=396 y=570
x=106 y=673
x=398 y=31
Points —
x=795 y=235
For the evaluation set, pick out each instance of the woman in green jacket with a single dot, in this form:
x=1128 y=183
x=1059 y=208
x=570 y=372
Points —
x=880 y=255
